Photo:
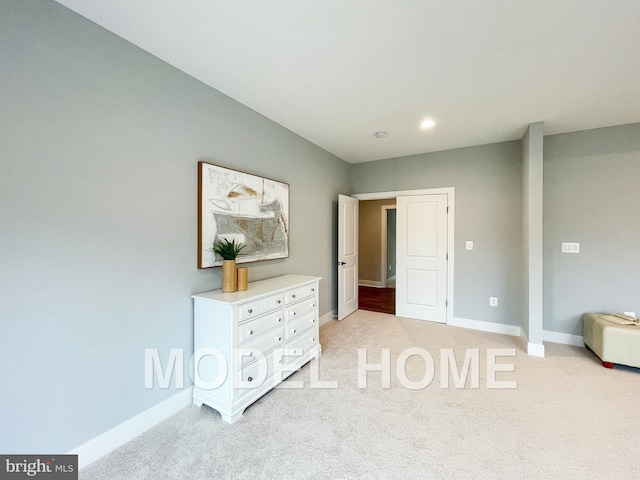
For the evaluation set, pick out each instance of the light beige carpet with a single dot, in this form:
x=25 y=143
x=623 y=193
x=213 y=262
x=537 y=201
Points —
x=569 y=418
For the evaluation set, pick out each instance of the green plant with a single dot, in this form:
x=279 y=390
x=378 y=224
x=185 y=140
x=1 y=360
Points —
x=228 y=250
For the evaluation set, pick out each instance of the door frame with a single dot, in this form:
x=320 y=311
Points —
x=450 y=192
x=383 y=244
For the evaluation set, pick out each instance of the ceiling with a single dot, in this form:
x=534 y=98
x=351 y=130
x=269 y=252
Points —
x=336 y=71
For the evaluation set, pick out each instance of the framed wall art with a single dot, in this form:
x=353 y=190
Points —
x=246 y=208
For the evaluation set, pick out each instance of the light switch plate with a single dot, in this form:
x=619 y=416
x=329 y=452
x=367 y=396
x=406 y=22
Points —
x=469 y=245
x=493 y=301
x=570 y=248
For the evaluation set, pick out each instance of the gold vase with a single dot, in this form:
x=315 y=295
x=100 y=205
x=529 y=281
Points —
x=228 y=276
x=243 y=278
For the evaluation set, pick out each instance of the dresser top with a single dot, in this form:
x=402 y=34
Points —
x=257 y=289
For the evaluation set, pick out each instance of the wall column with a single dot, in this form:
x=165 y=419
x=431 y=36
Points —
x=532 y=203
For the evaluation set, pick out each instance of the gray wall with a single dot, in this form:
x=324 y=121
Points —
x=591 y=196
x=488 y=210
x=99 y=147
x=369 y=239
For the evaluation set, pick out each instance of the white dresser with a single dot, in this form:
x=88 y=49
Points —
x=247 y=342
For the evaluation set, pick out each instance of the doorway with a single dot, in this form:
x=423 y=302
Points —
x=426 y=287
x=376 y=263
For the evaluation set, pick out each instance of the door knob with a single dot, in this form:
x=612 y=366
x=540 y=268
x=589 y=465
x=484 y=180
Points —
x=342 y=263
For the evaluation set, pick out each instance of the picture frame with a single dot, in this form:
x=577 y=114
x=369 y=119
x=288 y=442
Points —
x=244 y=208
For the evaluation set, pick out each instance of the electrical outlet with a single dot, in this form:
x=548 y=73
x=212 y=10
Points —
x=493 y=301
x=469 y=245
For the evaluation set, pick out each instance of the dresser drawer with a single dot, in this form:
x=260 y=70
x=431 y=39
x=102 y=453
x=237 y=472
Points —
x=257 y=307
x=300 y=309
x=253 y=376
x=295 y=349
x=270 y=303
x=252 y=329
x=299 y=293
x=299 y=325
x=260 y=346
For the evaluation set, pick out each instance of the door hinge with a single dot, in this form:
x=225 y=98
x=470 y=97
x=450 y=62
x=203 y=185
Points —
x=447 y=256
x=446 y=303
x=447 y=209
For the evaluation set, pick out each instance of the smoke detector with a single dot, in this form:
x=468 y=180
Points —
x=380 y=134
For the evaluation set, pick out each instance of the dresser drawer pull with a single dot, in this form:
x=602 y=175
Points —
x=293 y=331
x=313 y=320
x=293 y=296
x=279 y=319
x=313 y=339
x=250 y=379
x=279 y=302
x=295 y=352
x=279 y=339
x=294 y=314
x=251 y=354
x=313 y=289
x=250 y=310
x=250 y=332
x=313 y=304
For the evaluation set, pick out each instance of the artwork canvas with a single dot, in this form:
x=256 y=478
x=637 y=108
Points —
x=246 y=208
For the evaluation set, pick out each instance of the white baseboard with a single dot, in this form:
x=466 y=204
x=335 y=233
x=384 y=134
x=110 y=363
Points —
x=563 y=338
x=535 y=349
x=116 y=437
x=369 y=283
x=327 y=317
x=485 y=326
x=532 y=348
x=515 y=331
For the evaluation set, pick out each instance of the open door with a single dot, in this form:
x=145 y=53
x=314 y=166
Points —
x=421 y=268
x=347 y=256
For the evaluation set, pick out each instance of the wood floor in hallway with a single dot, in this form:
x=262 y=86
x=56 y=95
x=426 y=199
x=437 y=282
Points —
x=374 y=299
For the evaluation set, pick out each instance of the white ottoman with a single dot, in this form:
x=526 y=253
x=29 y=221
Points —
x=612 y=343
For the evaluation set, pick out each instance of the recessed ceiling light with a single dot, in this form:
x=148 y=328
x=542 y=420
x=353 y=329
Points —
x=380 y=134
x=427 y=124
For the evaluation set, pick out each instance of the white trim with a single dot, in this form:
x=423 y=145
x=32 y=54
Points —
x=401 y=193
x=483 y=326
x=370 y=283
x=535 y=349
x=451 y=197
x=119 y=435
x=562 y=338
x=327 y=317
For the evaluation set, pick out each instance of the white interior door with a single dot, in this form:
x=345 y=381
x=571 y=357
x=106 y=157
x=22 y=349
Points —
x=347 y=256
x=421 y=268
